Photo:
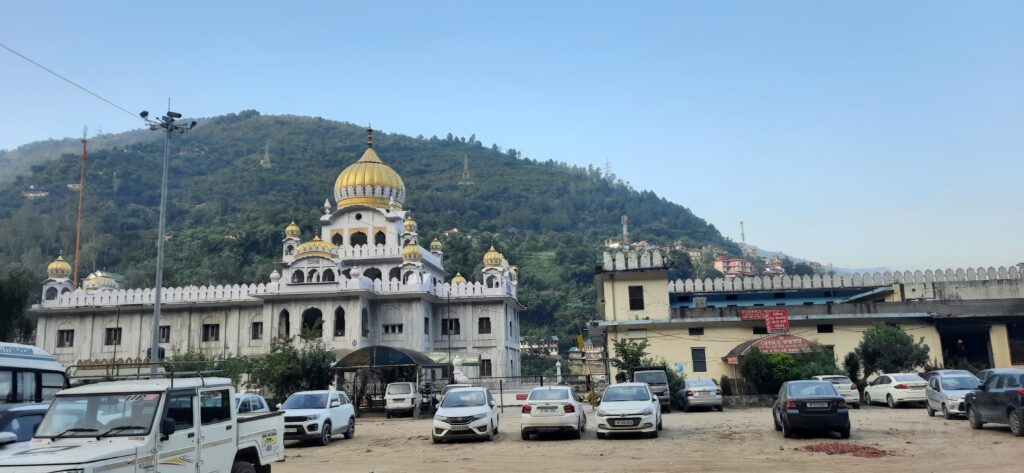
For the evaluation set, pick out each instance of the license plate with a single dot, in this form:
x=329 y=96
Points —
x=622 y=422
x=291 y=430
x=699 y=394
x=460 y=427
x=546 y=408
x=817 y=405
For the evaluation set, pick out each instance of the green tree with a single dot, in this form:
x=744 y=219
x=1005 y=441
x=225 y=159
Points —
x=629 y=354
x=757 y=370
x=886 y=349
x=851 y=366
x=228 y=367
x=289 y=368
x=15 y=291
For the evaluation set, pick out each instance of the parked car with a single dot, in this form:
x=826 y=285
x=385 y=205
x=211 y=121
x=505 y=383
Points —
x=655 y=377
x=929 y=374
x=553 y=409
x=810 y=404
x=628 y=408
x=314 y=415
x=999 y=401
x=895 y=389
x=400 y=398
x=845 y=387
x=248 y=402
x=18 y=423
x=983 y=375
x=700 y=393
x=466 y=412
x=946 y=393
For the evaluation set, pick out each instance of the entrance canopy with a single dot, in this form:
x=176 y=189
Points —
x=378 y=356
x=771 y=344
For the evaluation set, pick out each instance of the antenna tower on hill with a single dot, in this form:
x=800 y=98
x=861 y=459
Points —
x=466 y=180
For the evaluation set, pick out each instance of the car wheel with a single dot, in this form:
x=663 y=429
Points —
x=720 y=408
x=575 y=434
x=436 y=440
x=787 y=431
x=856 y=405
x=243 y=467
x=929 y=410
x=1016 y=423
x=945 y=413
x=654 y=434
x=602 y=435
x=524 y=434
x=387 y=415
x=974 y=418
x=867 y=399
x=668 y=409
x=490 y=433
x=325 y=434
x=775 y=421
x=350 y=431
x=583 y=426
x=845 y=432
x=497 y=425
x=890 y=401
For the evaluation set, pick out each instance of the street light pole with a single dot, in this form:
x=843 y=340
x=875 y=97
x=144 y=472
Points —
x=168 y=125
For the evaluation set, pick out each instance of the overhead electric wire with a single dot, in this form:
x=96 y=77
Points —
x=69 y=81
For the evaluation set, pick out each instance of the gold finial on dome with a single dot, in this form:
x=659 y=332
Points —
x=493 y=258
x=292 y=230
x=411 y=253
x=436 y=246
x=409 y=225
x=369 y=182
x=369 y=136
x=458 y=279
x=59 y=269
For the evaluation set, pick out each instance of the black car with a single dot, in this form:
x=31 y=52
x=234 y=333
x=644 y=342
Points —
x=810 y=405
x=1000 y=400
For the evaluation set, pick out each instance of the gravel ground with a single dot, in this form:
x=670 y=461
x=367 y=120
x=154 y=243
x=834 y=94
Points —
x=904 y=439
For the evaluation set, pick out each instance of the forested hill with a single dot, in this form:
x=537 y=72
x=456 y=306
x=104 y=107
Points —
x=227 y=212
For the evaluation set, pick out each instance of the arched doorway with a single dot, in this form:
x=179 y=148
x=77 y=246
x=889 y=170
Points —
x=379 y=239
x=51 y=293
x=337 y=239
x=313 y=320
x=284 y=324
x=357 y=239
x=372 y=274
x=328 y=276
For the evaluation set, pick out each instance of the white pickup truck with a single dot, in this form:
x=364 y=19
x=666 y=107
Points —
x=151 y=425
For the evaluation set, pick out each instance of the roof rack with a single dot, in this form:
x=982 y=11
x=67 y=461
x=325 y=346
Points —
x=138 y=370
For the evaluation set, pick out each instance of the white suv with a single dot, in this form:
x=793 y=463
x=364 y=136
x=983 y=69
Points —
x=316 y=415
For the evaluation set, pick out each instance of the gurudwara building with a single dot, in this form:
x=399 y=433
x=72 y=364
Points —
x=362 y=279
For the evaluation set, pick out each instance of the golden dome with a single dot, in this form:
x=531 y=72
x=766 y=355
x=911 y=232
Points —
x=435 y=246
x=411 y=253
x=369 y=182
x=58 y=269
x=458 y=279
x=493 y=258
x=409 y=225
x=99 y=281
x=315 y=247
x=292 y=230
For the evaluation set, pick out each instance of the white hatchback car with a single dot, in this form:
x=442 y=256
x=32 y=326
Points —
x=316 y=415
x=466 y=413
x=895 y=389
x=553 y=409
x=844 y=387
x=628 y=408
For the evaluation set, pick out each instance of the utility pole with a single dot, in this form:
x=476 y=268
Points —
x=168 y=125
x=81 y=192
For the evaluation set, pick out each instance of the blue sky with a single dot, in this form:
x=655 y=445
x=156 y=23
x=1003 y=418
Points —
x=887 y=134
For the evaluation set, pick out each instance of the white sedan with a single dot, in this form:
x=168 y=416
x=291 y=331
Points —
x=844 y=387
x=553 y=409
x=628 y=408
x=896 y=388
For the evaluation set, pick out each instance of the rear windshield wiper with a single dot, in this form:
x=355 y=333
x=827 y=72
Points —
x=118 y=428
x=73 y=429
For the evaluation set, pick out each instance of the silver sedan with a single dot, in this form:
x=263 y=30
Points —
x=700 y=393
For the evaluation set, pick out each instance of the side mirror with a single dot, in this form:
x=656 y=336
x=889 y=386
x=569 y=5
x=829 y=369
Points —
x=335 y=403
x=7 y=438
x=493 y=403
x=279 y=406
x=167 y=427
x=654 y=398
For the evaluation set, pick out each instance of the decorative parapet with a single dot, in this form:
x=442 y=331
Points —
x=189 y=294
x=855 y=280
x=634 y=260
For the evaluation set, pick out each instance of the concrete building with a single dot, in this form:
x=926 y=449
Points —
x=359 y=278
x=705 y=326
x=734 y=267
x=546 y=346
x=588 y=361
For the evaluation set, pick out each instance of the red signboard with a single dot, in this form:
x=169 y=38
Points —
x=777 y=323
x=762 y=314
x=781 y=344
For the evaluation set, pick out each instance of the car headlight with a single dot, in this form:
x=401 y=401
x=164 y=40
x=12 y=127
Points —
x=602 y=413
x=479 y=416
x=646 y=412
x=441 y=419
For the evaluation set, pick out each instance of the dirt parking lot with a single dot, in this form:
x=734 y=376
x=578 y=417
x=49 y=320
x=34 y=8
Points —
x=734 y=440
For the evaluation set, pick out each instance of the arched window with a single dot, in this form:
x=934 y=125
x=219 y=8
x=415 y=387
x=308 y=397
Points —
x=328 y=276
x=298 y=276
x=347 y=273
x=289 y=250
x=337 y=239
x=357 y=239
x=394 y=274
x=492 y=281
x=408 y=275
x=284 y=324
x=51 y=293
x=312 y=276
x=372 y=274
x=379 y=238
x=339 y=322
x=313 y=321
x=366 y=322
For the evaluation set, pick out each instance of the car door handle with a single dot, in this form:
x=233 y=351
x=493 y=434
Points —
x=191 y=435
x=228 y=427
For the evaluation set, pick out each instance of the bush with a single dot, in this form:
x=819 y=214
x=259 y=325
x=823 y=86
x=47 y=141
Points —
x=851 y=366
x=288 y=368
x=726 y=384
x=766 y=373
x=888 y=349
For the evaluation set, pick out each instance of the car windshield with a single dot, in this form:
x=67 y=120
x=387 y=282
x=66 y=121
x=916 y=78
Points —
x=812 y=388
x=959 y=383
x=549 y=394
x=626 y=393
x=838 y=380
x=464 y=399
x=306 y=401
x=701 y=383
x=907 y=378
x=651 y=377
x=399 y=388
x=111 y=415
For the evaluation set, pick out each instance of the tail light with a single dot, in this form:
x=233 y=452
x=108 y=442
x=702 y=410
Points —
x=901 y=386
x=527 y=408
x=853 y=387
x=689 y=393
x=790 y=404
x=1020 y=391
x=569 y=409
x=718 y=392
x=841 y=404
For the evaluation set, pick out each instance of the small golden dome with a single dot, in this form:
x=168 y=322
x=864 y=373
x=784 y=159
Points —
x=493 y=258
x=292 y=230
x=369 y=182
x=435 y=246
x=409 y=225
x=458 y=279
x=315 y=247
x=58 y=269
x=411 y=253
x=99 y=281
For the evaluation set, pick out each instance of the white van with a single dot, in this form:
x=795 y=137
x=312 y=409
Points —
x=29 y=374
x=401 y=398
